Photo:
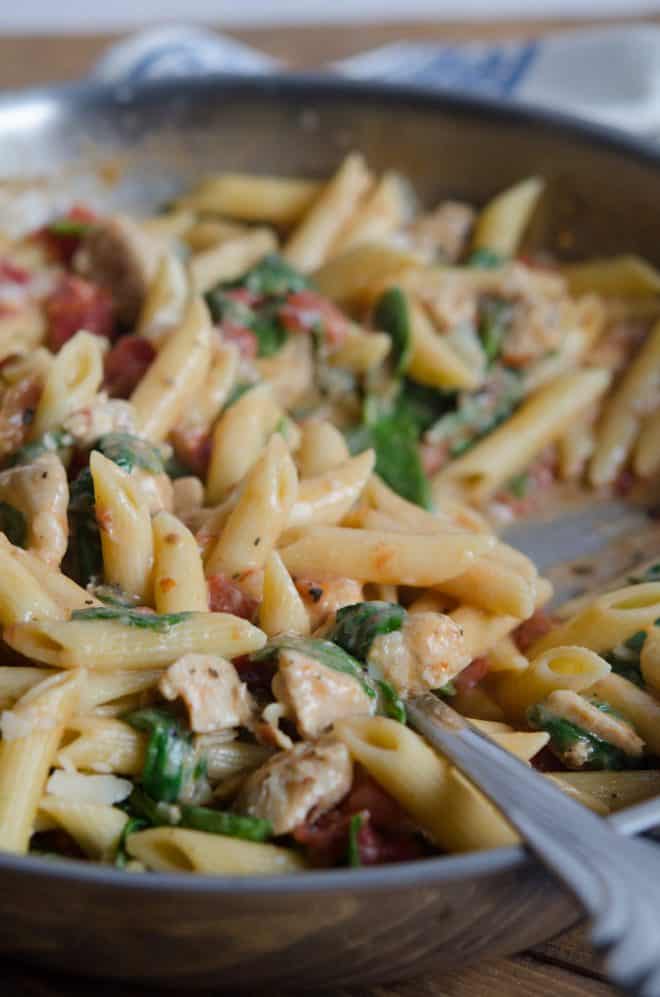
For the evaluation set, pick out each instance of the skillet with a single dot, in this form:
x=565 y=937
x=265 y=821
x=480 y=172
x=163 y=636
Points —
x=134 y=147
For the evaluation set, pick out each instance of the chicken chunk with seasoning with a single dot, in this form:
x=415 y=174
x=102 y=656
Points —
x=426 y=653
x=39 y=493
x=299 y=784
x=315 y=695
x=103 y=415
x=212 y=691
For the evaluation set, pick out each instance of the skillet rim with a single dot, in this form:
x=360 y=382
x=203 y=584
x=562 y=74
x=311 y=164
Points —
x=73 y=95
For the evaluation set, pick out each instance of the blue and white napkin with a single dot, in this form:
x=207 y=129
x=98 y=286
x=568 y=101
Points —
x=607 y=75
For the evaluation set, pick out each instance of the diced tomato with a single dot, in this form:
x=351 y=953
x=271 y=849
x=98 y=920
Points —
x=244 y=338
x=305 y=311
x=78 y=304
x=386 y=834
x=193 y=448
x=472 y=675
x=12 y=273
x=63 y=244
x=126 y=364
x=538 y=625
x=226 y=597
x=257 y=675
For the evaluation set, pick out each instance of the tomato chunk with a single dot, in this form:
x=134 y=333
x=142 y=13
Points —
x=226 y=597
x=126 y=364
x=77 y=304
x=244 y=338
x=305 y=311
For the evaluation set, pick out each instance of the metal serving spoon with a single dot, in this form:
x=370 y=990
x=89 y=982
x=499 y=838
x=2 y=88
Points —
x=616 y=879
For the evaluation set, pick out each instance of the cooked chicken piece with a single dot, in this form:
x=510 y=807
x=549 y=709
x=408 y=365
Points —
x=298 y=784
x=323 y=599
x=103 y=415
x=212 y=691
x=17 y=407
x=444 y=231
x=122 y=257
x=425 y=653
x=315 y=695
x=40 y=492
x=578 y=710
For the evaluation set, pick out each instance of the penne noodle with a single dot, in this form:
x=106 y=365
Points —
x=502 y=223
x=251 y=198
x=230 y=259
x=179 y=582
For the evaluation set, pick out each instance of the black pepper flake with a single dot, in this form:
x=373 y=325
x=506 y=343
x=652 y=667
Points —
x=257 y=541
x=315 y=592
x=28 y=416
x=44 y=475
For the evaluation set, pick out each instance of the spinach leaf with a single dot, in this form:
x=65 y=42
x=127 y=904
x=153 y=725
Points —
x=518 y=485
x=354 y=828
x=129 y=451
x=200 y=818
x=494 y=321
x=392 y=315
x=160 y=622
x=357 y=626
x=12 y=524
x=133 y=824
x=84 y=557
x=170 y=757
x=390 y=703
x=575 y=746
x=271 y=334
x=272 y=276
x=52 y=441
x=484 y=259
x=394 y=437
x=324 y=651
x=423 y=405
x=478 y=413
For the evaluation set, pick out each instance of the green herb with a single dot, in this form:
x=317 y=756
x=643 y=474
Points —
x=423 y=405
x=448 y=689
x=494 y=321
x=69 y=227
x=484 y=259
x=323 y=651
x=390 y=703
x=357 y=626
x=84 y=557
x=392 y=315
x=53 y=441
x=575 y=746
x=354 y=828
x=200 y=818
x=272 y=277
x=12 y=524
x=237 y=392
x=267 y=327
x=170 y=759
x=132 y=825
x=518 y=485
x=129 y=451
x=160 y=622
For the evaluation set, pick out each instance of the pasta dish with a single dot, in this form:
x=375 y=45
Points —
x=255 y=452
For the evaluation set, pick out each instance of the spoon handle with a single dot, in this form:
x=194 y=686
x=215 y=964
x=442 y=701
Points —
x=616 y=879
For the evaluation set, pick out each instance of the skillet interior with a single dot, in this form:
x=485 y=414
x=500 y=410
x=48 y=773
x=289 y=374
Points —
x=133 y=148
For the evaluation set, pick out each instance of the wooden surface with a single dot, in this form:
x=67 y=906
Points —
x=562 y=968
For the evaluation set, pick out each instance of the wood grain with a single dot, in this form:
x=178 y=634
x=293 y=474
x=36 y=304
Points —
x=564 y=967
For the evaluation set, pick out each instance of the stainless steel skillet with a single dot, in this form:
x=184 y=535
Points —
x=134 y=148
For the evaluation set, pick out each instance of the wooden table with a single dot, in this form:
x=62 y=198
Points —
x=562 y=968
